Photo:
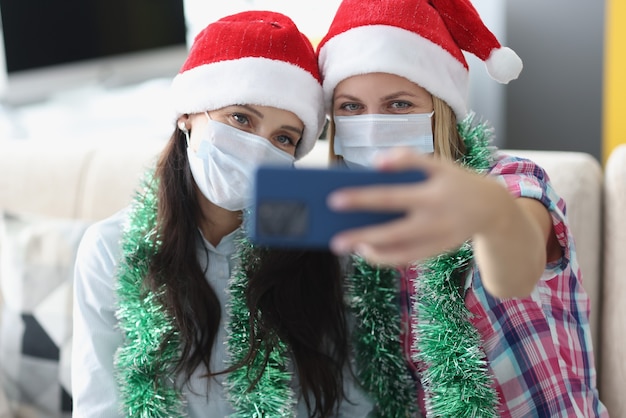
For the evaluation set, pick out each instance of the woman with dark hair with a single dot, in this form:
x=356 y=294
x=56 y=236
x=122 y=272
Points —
x=176 y=313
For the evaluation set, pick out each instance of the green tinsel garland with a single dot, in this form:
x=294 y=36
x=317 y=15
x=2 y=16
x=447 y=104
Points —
x=271 y=396
x=380 y=365
x=144 y=373
x=456 y=381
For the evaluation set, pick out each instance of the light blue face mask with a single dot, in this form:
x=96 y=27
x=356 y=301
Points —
x=359 y=138
x=225 y=162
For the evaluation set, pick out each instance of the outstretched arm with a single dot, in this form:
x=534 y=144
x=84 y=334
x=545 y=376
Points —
x=512 y=237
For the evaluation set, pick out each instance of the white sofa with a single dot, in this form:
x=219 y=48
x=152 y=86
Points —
x=613 y=285
x=68 y=186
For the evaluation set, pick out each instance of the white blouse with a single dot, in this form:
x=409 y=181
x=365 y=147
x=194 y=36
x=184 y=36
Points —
x=96 y=336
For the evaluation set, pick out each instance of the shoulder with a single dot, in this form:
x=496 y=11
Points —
x=100 y=245
x=106 y=232
x=507 y=164
x=525 y=178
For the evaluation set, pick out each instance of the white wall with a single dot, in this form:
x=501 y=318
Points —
x=312 y=17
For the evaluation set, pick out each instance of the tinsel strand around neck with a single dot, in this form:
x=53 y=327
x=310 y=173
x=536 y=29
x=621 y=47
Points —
x=144 y=365
x=145 y=372
x=271 y=396
x=456 y=381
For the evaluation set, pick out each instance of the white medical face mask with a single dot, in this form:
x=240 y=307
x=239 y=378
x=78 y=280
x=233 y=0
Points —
x=225 y=163
x=359 y=138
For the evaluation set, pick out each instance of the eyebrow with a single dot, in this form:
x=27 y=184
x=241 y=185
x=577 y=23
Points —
x=388 y=97
x=252 y=110
x=293 y=129
x=346 y=96
x=261 y=116
x=398 y=94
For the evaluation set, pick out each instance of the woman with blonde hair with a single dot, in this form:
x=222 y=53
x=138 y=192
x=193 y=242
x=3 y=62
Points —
x=493 y=318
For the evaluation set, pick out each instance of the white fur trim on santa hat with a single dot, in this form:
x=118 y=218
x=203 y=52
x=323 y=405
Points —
x=388 y=49
x=504 y=65
x=256 y=81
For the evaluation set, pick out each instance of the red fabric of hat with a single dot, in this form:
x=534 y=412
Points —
x=421 y=40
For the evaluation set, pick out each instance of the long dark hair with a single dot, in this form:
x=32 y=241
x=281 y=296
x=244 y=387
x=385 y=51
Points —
x=296 y=296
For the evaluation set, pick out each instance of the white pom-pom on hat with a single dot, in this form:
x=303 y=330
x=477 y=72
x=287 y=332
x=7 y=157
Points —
x=504 y=65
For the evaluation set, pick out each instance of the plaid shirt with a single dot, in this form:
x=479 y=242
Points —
x=538 y=347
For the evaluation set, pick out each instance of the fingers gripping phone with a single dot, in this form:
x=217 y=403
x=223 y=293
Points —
x=290 y=209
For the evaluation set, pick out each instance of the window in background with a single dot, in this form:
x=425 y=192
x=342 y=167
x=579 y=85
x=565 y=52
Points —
x=48 y=46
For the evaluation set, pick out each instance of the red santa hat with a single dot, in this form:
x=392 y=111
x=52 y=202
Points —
x=254 y=57
x=421 y=40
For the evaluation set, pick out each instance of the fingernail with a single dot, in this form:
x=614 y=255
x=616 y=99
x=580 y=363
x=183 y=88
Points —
x=339 y=246
x=336 y=201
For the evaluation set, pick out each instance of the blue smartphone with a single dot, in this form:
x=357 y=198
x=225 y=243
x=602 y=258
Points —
x=290 y=210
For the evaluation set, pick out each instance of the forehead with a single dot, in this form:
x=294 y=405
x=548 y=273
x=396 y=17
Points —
x=378 y=84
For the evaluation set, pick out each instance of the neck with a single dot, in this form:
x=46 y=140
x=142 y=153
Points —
x=216 y=221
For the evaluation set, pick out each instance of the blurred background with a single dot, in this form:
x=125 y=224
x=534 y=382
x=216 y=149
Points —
x=75 y=70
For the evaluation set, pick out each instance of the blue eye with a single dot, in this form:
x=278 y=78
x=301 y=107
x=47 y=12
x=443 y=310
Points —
x=401 y=105
x=285 y=140
x=350 y=107
x=240 y=118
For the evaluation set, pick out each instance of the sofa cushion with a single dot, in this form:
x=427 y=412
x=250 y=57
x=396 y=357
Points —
x=72 y=180
x=36 y=275
x=613 y=347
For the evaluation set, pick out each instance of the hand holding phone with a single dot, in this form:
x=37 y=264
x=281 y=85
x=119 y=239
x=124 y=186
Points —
x=290 y=208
